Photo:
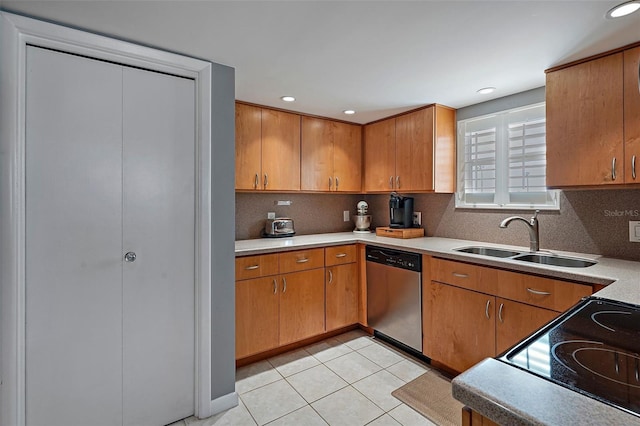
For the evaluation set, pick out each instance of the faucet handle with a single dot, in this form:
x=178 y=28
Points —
x=535 y=215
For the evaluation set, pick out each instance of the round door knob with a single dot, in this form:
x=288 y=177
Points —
x=130 y=257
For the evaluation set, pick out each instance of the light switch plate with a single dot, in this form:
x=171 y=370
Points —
x=271 y=215
x=345 y=215
x=634 y=231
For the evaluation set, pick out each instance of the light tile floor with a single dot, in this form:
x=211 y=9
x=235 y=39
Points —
x=345 y=380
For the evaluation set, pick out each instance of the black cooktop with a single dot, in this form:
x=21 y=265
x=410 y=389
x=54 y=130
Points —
x=592 y=349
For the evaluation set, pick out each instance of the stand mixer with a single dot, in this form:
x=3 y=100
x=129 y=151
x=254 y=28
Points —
x=362 y=219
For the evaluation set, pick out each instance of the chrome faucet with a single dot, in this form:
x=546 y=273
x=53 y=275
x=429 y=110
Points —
x=532 y=226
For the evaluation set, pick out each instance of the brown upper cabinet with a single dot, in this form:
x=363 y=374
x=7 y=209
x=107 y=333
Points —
x=331 y=156
x=267 y=149
x=593 y=121
x=413 y=152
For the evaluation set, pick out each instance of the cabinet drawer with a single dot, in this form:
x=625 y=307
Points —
x=339 y=255
x=301 y=260
x=546 y=293
x=256 y=266
x=464 y=275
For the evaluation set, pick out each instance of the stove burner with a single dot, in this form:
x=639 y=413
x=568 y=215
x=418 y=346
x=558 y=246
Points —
x=595 y=314
x=593 y=349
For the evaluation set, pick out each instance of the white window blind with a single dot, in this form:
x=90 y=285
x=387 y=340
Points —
x=502 y=161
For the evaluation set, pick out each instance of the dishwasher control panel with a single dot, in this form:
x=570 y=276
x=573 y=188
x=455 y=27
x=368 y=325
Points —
x=396 y=258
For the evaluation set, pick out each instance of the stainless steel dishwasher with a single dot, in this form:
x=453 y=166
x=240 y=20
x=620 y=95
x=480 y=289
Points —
x=394 y=295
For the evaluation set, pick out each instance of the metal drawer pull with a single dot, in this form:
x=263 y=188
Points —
x=255 y=184
x=633 y=167
x=538 y=292
x=337 y=183
x=330 y=276
x=456 y=274
x=391 y=182
x=330 y=183
x=305 y=260
x=251 y=268
x=275 y=286
x=266 y=180
x=397 y=182
x=500 y=312
x=341 y=255
x=613 y=168
x=284 y=285
x=486 y=309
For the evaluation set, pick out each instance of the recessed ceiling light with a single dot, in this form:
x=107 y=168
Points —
x=288 y=98
x=349 y=111
x=623 y=9
x=486 y=90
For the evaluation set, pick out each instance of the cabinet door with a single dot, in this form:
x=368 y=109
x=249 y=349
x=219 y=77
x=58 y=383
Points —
x=318 y=137
x=463 y=327
x=380 y=156
x=414 y=151
x=248 y=147
x=585 y=123
x=301 y=305
x=341 y=295
x=257 y=315
x=516 y=321
x=347 y=157
x=632 y=115
x=280 y=151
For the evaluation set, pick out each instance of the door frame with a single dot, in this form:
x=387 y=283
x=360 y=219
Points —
x=16 y=32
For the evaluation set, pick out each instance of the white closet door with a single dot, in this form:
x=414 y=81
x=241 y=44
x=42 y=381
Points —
x=73 y=240
x=159 y=197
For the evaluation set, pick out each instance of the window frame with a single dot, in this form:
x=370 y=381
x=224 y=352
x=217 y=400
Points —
x=501 y=198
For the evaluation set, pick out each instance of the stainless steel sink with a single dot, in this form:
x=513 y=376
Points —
x=488 y=251
x=545 y=259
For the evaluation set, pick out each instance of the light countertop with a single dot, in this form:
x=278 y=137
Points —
x=497 y=390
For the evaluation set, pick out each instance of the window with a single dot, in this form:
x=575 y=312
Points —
x=502 y=161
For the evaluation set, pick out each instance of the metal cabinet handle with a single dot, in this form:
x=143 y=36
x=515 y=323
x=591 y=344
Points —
x=613 y=168
x=337 y=183
x=251 y=268
x=305 y=260
x=339 y=255
x=130 y=257
x=275 y=286
x=330 y=276
x=397 y=182
x=538 y=292
x=456 y=274
x=486 y=309
x=330 y=183
x=284 y=285
x=633 y=167
x=391 y=182
x=500 y=312
x=256 y=182
x=266 y=181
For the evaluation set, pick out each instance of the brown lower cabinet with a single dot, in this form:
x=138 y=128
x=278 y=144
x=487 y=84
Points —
x=471 y=312
x=288 y=297
x=472 y=418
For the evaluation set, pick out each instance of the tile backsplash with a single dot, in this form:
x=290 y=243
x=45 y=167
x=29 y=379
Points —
x=594 y=222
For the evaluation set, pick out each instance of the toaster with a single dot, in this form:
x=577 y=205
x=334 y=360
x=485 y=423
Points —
x=278 y=227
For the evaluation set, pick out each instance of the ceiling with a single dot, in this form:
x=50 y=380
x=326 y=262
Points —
x=376 y=57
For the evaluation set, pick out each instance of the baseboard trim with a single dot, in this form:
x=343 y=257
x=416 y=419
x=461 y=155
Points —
x=223 y=403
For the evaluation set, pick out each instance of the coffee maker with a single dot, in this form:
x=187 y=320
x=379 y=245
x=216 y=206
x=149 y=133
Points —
x=400 y=211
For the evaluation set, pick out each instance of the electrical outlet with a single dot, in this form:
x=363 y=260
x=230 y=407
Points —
x=271 y=215
x=634 y=231
x=417 y=218
x=345 y=215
